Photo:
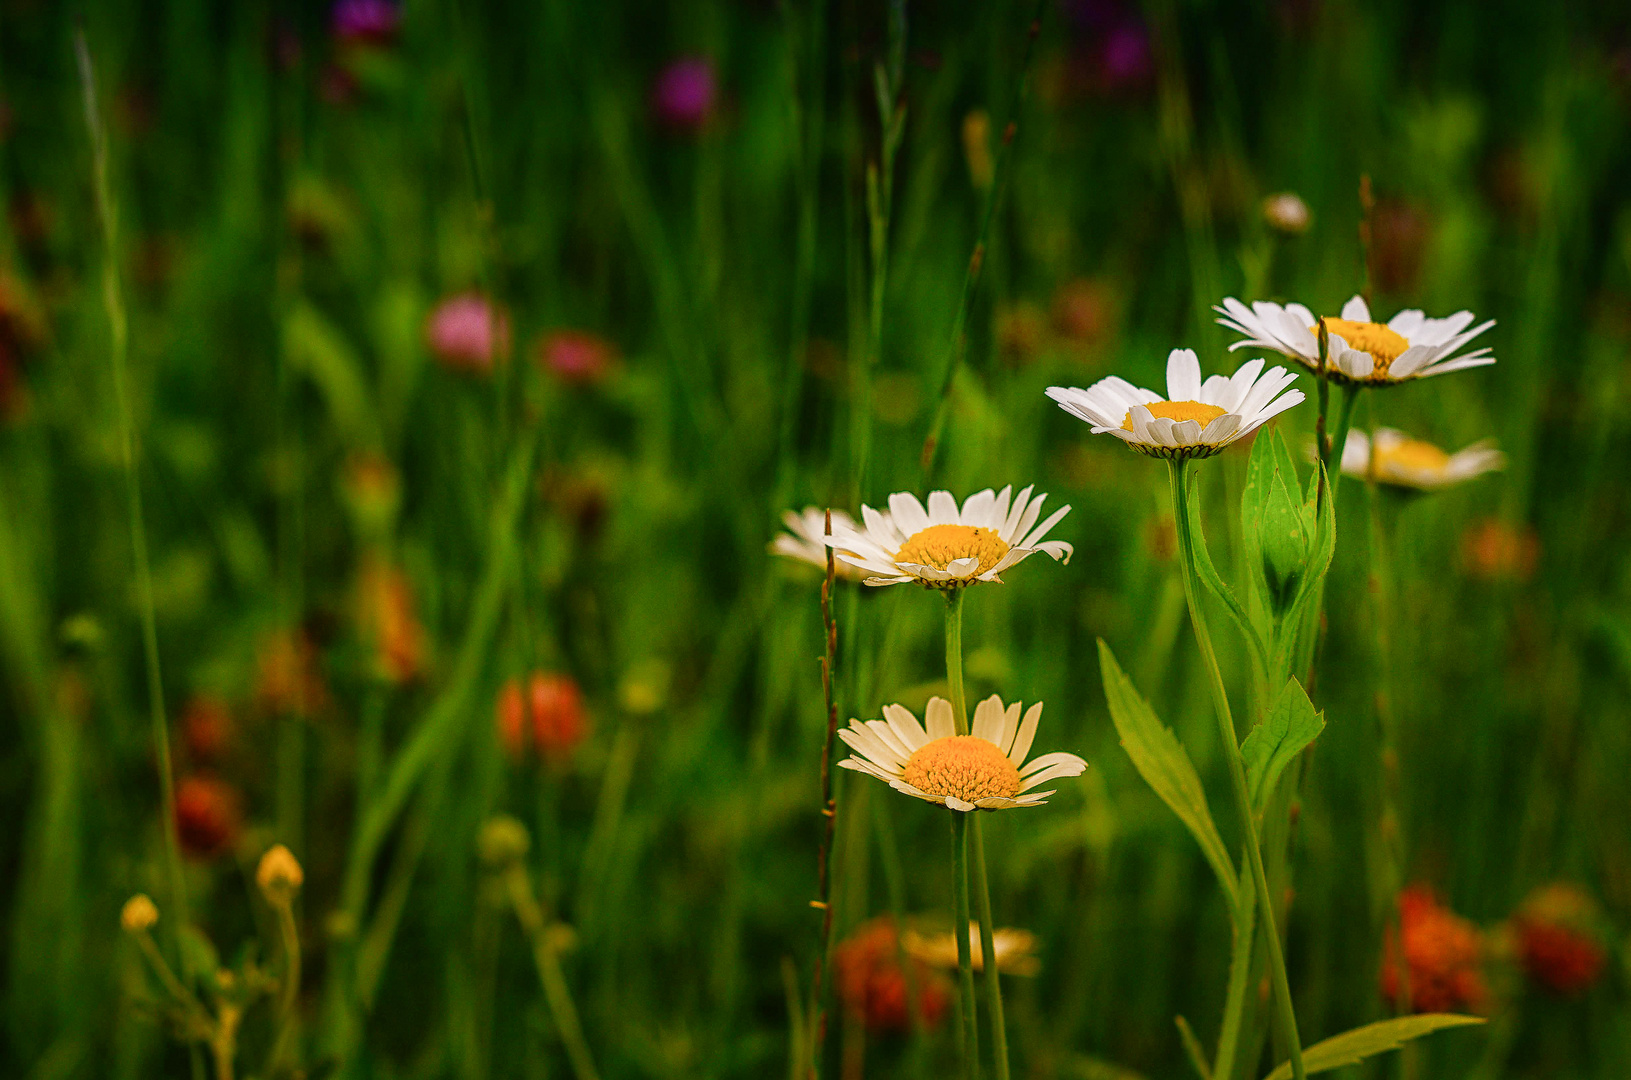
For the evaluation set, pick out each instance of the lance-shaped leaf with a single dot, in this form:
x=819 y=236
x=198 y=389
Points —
x=1208 y=573
x=1290 y=724
x=1160 y=759
x=1352 y=1047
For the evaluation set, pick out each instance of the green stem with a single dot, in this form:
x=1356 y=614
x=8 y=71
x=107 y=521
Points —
x=954 y=659
x=556 y=993
x=1339 y=438
x=1240 y=969
x=119 y=347
x=1237 y=776
x=970 y=1031
x=290 y=990
x=988 y=952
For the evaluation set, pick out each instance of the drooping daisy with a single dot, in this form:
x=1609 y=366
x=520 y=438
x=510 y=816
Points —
x=1015 y=949
x=986 y=770
x=1400 y=461
x=1408 y=346
x=1195 y=420
x=944 y=547
x=806 y=539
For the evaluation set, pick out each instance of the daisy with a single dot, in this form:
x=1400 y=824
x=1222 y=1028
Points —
x=1015 y=949
x=806 y=539
x=1199 y=420
x=1409 y=346
x=986 y=770
x=944 y=547
x=1400 y=461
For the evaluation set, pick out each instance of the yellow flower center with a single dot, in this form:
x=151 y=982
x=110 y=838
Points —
x=938 y=545
x=1179 y=411
x=964 y=767
x=1383 y=344
x=1408 y=455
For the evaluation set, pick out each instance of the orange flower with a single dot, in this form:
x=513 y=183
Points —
x=554 y=706
x=386 y=612
x=1442 y=952
x=209 y=815
x=1496 y=551
x=287 y=677
x=1557 y=940
x=512 y=719
x=871 y=983
x=206 y=726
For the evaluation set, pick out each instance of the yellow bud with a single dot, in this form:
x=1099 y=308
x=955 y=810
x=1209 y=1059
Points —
x=279 y=875
x=503 y=840
x=139 y=914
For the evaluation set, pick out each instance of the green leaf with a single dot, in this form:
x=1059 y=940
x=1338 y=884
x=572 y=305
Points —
x=317 y=348
x=1160 y=759
x=1354 y=1046
x=1306 y=603
x=1215 y=584
x=1290 y=724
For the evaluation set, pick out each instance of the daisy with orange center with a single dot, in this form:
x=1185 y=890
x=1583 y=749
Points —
x=1196 y=419
x=985 y=770
x=1396 y=460
x=946 y=546
x=1408 y=346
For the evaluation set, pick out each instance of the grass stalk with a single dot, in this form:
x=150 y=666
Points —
x=557 y=995
x=1287 y=1017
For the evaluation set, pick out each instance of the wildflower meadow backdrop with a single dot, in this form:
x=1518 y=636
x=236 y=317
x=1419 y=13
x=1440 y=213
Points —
x=1054 y=539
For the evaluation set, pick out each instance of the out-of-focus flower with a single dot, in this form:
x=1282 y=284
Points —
x=1022 y=331
x=279 y=875
x=1085 y=310
x=468 y=333
x=206 y=725
x=576 y=357
x=1442 y=954
x=1494 y=550
x=365 y=22
x=1015 y=949
x=549 y=716
x=1558 y=939
x=1397 y=460
x=1125 y=58
x=372 y=491
x=685 y=93
x=871 y=982
x=805 y=540
x=945 y=547
x=139 y=915
x=1400 y=232
x=582 y=495
x=209 y=815
x=977 y=148
x=1408 y=346
x=385 y=611
x=287 y=679
x=1196 y=420
x=984 y=770
x=1287 y=213
x=502 y=841
x=643 y=689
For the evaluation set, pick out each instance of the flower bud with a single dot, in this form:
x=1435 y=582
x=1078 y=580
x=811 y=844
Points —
x=279 y=875
x=503 y=841
x=1287 y=213
x=1286 y=543
x=139 y=914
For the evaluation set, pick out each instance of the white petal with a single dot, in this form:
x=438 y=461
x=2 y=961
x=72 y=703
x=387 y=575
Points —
x=1010 y=725
x=942 y=508
x=961 y=568
x=977 y=509
x=954 y=803
x=1221 y=430
x=988 y=716
x=1041 y=530
x=861 y=739
x=1032 y=510
x=1356 y=310
x=887 y=736
x=1010 y=524
x=1047 y=760
x=939 y=718
x=907 y=513
x=1027 y=732
x=907 y=729
x=1407 y=323
x=1183 y=375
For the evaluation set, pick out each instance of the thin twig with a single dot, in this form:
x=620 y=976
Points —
x=829 y=809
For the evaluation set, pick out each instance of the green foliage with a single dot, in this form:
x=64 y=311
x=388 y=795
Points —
x=1352 y=1047
x=1163 y=763
x=1289 y=726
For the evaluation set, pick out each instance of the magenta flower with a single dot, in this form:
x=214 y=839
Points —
x=365 y=22
x=684 y=95
x=576 y=356
x=1125 y=55
x=466 y=333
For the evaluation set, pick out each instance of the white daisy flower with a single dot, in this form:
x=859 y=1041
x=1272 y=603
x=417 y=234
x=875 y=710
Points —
x=1015 y=949
x=986 y=770
x=1400 y=461
x=806 y=539
x=1408 y=346
x=944 y=547
x=1195 y=420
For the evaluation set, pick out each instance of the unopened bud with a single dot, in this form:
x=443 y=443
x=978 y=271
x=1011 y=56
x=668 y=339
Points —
x=279 y=875
x=1287 y=213
x=503 y=840
x=139 y=914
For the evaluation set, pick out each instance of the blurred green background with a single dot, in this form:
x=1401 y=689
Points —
x=358 y=532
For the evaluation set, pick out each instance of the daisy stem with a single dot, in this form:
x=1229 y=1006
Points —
x=988 y=953
x=954 y=658
x=1237 y=772
x=1339 y=438
x=970 y=1030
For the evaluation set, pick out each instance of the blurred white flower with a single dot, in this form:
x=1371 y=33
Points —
x=806 y=539
x=1287 y=213
x=1400 y=461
